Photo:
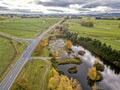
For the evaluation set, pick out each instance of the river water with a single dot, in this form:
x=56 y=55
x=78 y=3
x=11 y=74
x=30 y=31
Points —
x=111 y=79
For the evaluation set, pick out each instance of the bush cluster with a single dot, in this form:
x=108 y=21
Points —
x=87 y=24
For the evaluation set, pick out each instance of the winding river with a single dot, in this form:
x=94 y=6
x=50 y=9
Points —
x=111 y=77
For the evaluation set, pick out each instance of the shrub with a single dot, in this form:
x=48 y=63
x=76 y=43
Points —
x=43 y=43
x=68 y=44
x=56 y=53
x=54 y=63
x=22 y=84
x=72 y=69
x=87 y=24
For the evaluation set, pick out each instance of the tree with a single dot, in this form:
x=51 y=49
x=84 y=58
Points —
x=87 y=24
x=55 y=53
x=52 y=83
x=53 y=72
x=92 y=73
x=43 y=43
x=64 y=28
x=68 y=44
x=65 y=83
x=62 y=82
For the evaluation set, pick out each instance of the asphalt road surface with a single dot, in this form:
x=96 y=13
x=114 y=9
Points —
x=17 y=67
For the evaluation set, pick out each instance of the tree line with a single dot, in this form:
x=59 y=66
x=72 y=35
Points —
x=101 y=49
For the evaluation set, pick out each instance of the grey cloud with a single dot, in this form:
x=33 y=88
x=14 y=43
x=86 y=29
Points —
x=83 y=9
x=25 y=11
x=87 y=5
x=54 y=4
x=92 y=5
x=22 y=10
x=60 y=3
x=3 y=8
x=112 y=4
x=5 y=3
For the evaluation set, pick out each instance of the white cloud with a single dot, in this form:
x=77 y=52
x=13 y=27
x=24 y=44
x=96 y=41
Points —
x=75 y=6
x=45 y=0
x=58 y=6
x=101 y=9
x=22 y=4
x=65 y=10
x=32 y=6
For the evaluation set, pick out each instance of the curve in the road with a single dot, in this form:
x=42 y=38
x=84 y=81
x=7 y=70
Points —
x=15 y=70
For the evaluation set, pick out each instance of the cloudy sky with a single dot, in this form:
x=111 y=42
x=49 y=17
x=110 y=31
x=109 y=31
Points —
x=59 y=6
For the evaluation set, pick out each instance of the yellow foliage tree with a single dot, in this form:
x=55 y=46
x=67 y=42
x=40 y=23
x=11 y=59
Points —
x=54 y=79
x=65 y=83
x=92 y=73
x=68 y=44
x=43 y=43
x=59 y=82
x=55 y=53
x=53 y=72
x=52 y=83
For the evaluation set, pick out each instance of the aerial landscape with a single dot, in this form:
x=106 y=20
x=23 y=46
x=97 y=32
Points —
x=59 y=45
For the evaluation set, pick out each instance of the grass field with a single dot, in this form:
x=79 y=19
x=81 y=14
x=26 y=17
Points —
x=104 y=30
x=7 y=53
x=41 y=51
x=25 y=27
x=9 y=50
x=33 y=76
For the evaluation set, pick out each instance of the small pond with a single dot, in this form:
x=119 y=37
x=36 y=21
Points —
x=111 y=76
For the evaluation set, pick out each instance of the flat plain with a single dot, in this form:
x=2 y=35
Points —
x=25 y=27
x=19 y=27
x=107 y=31
x=9 y=51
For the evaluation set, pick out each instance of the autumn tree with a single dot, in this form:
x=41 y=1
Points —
x=65 y=83
x=92 y=73
x=53 y=72
x=56 y=53
x=68 y=44
x=62 y=82
x=43 y=43
x=52 y=83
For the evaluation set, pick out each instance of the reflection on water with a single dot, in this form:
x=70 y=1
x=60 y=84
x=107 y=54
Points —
x=111 y=75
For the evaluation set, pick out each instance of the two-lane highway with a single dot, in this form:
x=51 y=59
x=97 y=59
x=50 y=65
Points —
x=15 y=70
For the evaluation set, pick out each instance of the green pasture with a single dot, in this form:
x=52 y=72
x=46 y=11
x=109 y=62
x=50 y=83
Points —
x=9 y=50
x=25 y=27
x=107 y=31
